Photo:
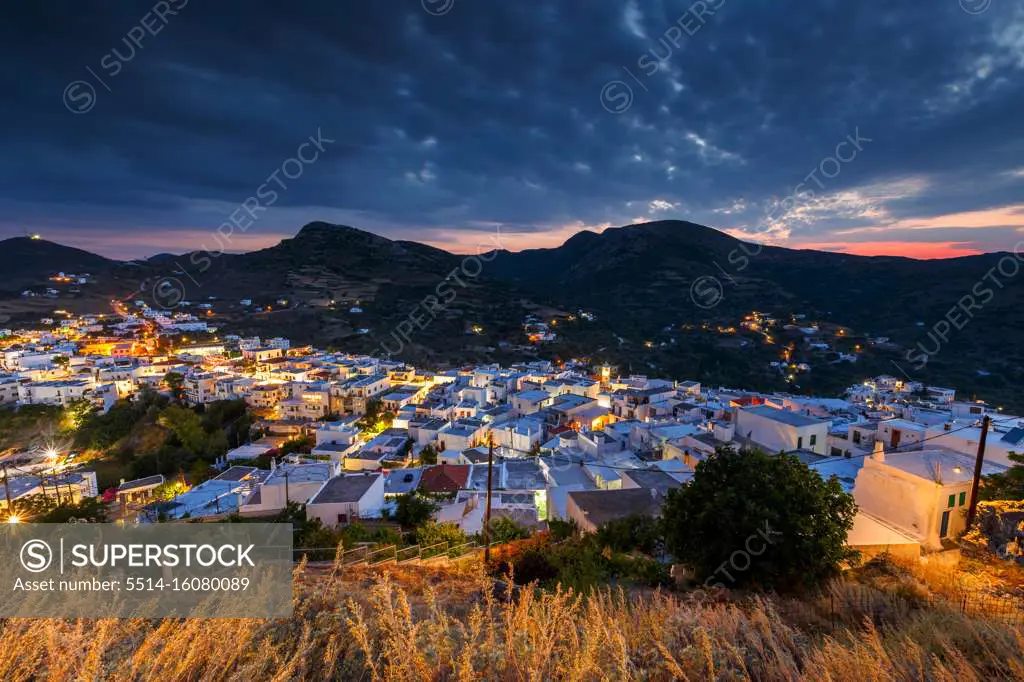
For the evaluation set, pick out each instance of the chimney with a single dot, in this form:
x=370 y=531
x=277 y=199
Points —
x=879 y=454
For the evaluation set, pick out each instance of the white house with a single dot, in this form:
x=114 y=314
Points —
x=781 y=430
x=1004 y=439
x=56 y=392
x=900 y=433
x=528 y=402
x=348 y=498
x=923 y=492
x=286 y=483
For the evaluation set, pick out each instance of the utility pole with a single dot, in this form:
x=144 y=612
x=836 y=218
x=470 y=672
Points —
x=487 y=511
x=977 y=471
x=7 y=490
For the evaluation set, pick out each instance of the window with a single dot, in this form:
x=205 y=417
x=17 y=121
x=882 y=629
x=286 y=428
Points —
x=952 y=501
x=856 y=437
x=814 y=440
x=963 y=498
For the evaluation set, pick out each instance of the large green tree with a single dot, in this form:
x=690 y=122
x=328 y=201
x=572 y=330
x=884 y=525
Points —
x=748 y=518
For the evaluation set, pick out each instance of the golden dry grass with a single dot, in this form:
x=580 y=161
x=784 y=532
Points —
x=437 y=623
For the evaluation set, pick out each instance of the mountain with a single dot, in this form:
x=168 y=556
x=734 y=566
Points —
x=647 y=271
x=644 y=279
x=25 y=261
x=656 y=289
x=329 y=283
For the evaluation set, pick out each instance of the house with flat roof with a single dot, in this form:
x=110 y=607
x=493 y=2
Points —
x=924 y=493
x=591 y=509
x=345 y=499
x=139 y=489
x=778 y=430
x=286 y=483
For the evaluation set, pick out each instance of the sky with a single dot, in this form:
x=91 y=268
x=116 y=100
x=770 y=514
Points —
x=135 y=128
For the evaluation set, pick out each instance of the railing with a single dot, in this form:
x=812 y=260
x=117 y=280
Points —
x=461 y=550
x=382 y=555
x=373 y=555
x=435 y=550
x=407 y=554
x=354 y=556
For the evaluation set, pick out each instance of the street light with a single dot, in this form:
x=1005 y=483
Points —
x=13 y=518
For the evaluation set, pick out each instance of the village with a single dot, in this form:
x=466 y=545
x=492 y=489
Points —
x=347 y=437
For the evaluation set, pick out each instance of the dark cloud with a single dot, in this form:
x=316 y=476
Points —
x=492 y=114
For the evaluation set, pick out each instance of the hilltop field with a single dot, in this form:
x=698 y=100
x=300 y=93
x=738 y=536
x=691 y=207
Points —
x=880 y=622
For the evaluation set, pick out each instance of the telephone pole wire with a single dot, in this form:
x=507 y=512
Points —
x=487 y=511
x=977 y=471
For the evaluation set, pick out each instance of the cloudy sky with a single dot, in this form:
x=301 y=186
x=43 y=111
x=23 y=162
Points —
x=138 y=127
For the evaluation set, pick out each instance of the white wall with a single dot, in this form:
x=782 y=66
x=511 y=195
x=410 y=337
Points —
x=776 y=436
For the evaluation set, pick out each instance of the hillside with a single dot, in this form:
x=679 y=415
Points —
x=329 y=282
x=428 y=623
x=643 y=278
x=335 y=285
x=25 y=261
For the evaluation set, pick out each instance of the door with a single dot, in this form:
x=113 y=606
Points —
x=895 y=442
x=944 y=527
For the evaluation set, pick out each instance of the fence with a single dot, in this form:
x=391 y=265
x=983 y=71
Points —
x=850 y=604
x=1007 y=609
x=372 y=555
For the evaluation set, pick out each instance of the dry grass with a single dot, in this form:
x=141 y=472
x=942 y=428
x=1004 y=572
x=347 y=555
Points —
x=423 y=623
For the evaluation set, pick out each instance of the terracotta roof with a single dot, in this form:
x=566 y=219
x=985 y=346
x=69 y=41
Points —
x=445 y=478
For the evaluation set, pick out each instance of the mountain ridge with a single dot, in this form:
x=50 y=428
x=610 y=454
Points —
x=644 y=282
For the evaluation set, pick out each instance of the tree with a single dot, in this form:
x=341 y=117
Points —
x=634 y=532
x=186 y=426
x=301 y=445
x=413 y=510
x=199 y=471
x=432 y=533
x=1008 y=485
x=428 y=455
x=748 y=518
x=503 y=529
x=176 y=383
x=89 y=509
x=376 y=418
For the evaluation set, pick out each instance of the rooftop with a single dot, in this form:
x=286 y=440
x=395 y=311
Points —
x=445 y=478
x=602 y=506
x=349 y=488
x=783 y=416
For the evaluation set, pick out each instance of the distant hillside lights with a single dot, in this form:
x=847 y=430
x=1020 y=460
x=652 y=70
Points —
x=960 y=314
x=446 y=293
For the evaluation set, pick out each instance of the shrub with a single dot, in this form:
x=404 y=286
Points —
x=750 y=518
